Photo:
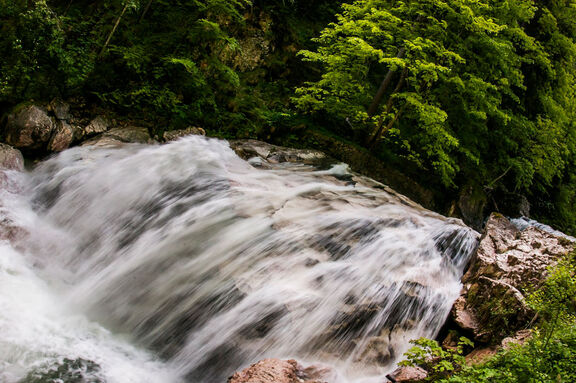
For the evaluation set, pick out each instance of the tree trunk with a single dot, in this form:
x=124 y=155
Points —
x=145 y=11
x=373 y=108
x=388 y=127
x=380 y=128
x=113 y=29
x=68 y=7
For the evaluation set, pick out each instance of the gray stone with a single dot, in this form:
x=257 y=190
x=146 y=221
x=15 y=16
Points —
x=30 y=128
x=131 y=134
x=60 y=109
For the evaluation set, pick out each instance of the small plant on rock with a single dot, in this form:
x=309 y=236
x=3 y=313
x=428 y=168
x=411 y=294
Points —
x=438 y=362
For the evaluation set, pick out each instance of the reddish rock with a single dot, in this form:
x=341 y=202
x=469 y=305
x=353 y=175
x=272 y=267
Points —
x=11 y=158
x=407 y=375
x=273 y=371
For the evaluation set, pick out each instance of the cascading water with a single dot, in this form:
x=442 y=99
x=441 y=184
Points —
x=183 y=262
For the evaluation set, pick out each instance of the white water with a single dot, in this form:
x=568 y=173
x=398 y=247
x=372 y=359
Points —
x=183 y=262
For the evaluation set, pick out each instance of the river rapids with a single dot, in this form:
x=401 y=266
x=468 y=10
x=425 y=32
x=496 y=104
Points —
x=183 y=262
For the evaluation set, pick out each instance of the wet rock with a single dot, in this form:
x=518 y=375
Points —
x=103 y=141
x=11 y=158
x=273 y=371
x=62 y=137
x=176 y=134
x=60 y=109
x=248 y=149
x=407 y=374
x=119 y=136
x=98 y=125
x=130 y=134
x=29 y=128
x=378 y=350
x=11 y=231
x=67 y=371
x=507 y=263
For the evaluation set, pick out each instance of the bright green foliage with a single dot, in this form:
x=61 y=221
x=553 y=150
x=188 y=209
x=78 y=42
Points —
x=439 y=363
x=538 y=361
x=488 y=90
x=555 y=300
x=442 y=42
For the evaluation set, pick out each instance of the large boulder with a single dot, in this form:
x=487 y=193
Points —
x=29 y=128
x=10 y=158
x=507 y=264
x=274 y=371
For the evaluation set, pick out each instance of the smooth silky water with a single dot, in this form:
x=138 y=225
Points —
x=184 y=263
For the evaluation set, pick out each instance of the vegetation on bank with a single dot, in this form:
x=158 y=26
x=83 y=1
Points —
x=459 y=93
x=548 y=356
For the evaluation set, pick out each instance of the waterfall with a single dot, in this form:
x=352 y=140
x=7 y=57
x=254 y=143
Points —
x=184 y=263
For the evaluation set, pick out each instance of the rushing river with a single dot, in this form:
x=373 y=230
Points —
x=184 y=263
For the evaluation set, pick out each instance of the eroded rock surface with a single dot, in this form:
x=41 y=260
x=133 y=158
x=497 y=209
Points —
x=508 y=263
x=274 y=371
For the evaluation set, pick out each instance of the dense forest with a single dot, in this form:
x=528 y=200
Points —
x=459 y=94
